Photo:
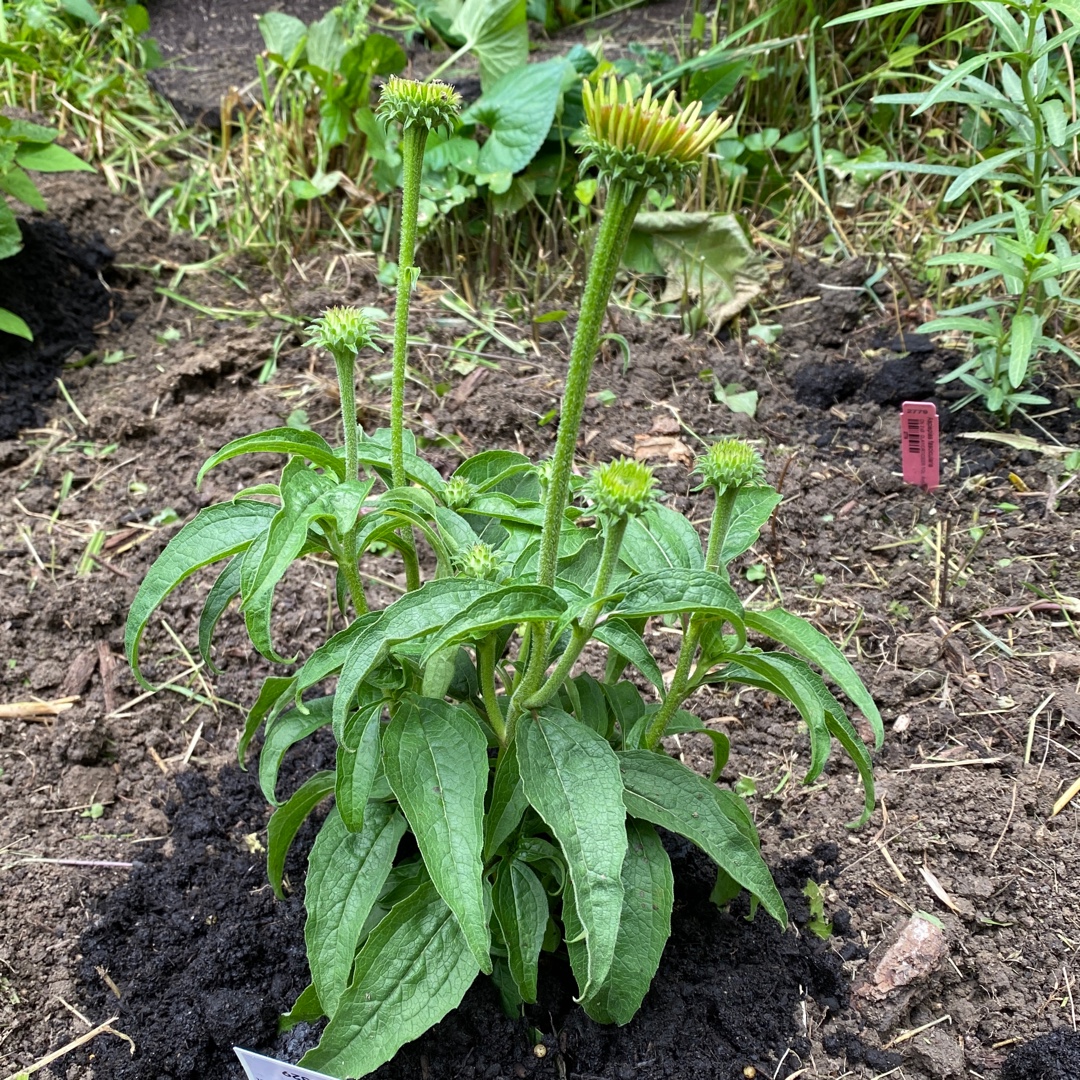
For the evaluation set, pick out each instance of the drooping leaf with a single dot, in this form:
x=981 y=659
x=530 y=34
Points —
x=666 y=793
x=413 y=969
x=285 y=731
x=618 y=635
x=286 y=820
x=520 y=905
x=435 y=756
x=222 y=593
x=216 y=533
x=571 y=777
x=284 y=440
x=644 y=928
x=273 y=696
x=346 y=873
x=703 y=254
x=801 y=638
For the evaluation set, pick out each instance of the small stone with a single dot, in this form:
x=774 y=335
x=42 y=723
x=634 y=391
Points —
x=915 y=955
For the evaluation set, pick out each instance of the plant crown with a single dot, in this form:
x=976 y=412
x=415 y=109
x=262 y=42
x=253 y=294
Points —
x=533 y=789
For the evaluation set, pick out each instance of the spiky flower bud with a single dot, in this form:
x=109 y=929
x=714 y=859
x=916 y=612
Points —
x=621 y=488
x=458 y=492
x=342 y=331
x=644 y=142
x=730 y=463
x=419 y=104
x=480 y=561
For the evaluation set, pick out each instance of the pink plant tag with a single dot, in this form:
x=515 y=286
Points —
x=919 y=444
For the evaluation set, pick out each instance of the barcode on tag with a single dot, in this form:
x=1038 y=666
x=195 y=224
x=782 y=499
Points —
x=258 y=1067
x=919 y=444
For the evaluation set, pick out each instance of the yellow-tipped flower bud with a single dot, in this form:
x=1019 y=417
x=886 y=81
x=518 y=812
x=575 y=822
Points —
x=343 y=331
x=458 y=492
x=480 y=561
x=644 y=142
x=731 y=463
x=621 y=488
x=419 y=104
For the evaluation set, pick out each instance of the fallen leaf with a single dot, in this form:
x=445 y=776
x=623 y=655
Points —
x=662 y=448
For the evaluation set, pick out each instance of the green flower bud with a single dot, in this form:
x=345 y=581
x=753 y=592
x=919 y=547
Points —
x=731 y=463
x=480 y=561
x=342 y=331
x=643 y=142
x=458 y=492
x=621 y=488
x=419 y=104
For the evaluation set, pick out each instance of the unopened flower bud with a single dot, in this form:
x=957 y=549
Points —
x=458 y=492
x=419 y=104
x=621 y=488
x=342 y=331
x=731 y=463
x=480 y=561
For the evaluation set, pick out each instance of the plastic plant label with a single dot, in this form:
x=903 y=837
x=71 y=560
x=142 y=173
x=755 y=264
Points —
x=919 y=444
x=258 y=1067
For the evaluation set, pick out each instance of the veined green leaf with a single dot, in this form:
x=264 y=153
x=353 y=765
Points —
x=286 y=820
x=845 y=734
x=802 y=639
x=520 y=905
x=1026 y=326
x=665 y=792
x=753 y=507
x=570 y=776
x=215 y=533
x=329 y=656
x=508 y=803
x=285 y=731
x=618 y=635
x=257 y=612
x=346 y=873
x=509 y=605
x=661 y=538
x=284 y=440
x=357 y=764
x=376 y=455
x=273 y=697
x=222 y=593
x=435 y=757
x=980 y=171
x=413 y=969
x=644 y=928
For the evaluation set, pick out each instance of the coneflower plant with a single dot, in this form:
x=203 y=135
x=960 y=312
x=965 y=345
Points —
x=533 y=784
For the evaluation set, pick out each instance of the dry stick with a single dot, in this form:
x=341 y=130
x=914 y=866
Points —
x=48 y=1059
x=1008 y=820
x=28 y=710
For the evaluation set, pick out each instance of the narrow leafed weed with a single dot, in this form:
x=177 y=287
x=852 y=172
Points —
x=533 y=789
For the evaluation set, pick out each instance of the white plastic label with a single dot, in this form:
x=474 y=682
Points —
x=258 y=1067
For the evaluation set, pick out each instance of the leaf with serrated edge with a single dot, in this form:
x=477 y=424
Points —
x=665 y=792
x=521 y=906
x=286 y=820
x=413 y=969
x=571 y=777
x=801 y=638
x=216 y=533
x=435 y=757
x=644 y=928
x=346 y=873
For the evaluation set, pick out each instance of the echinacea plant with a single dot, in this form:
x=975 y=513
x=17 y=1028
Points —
x=532 y=787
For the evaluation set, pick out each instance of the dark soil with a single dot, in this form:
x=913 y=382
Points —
x=958 y=608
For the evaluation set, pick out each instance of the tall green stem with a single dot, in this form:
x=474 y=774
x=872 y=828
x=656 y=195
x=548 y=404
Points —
x=346 y=368
x=413 y=140
x=622 y=206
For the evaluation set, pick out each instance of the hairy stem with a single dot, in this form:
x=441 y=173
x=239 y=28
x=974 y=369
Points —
x=679 y=681
x=346 y=368
x=485 y=663
x=721 y=522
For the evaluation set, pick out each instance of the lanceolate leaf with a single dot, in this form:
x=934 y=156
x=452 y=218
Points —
x=346 y=873
x=521 y=906
x=283 y=440
x=216 y=533
x=222 y=593
x=677 y=591
x=357 y=766
x=285 y=823
x=287 y=730
x=665 y=792
x=753 y=507
x=435 y=757
x=413 y=969
x=508 y=803
x=644 y=927
x=847 y=737
x=257 y=611
x=273 y=697
x=801 y=638
x=619 y=636
x=570 y=775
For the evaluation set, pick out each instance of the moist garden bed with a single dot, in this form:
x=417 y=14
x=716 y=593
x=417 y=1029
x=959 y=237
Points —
x=965 y=639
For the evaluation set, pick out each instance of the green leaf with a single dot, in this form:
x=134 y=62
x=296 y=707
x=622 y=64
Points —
x=357 y=765
x=10 y=323
x=665 y=792
x=257 y=611
x=753 y=507
x=19 y=185
x=505 y=471
x=981 y=171
x=49 y=158
x=677 y=591
x=570 y=776
x=496 y=32
x=801 y=638
x=346 y=873
x=703 y=254
x=285 y=440
x=1026 y=326
x=510 y=605
x=624 y=640
x=1053 y=114
x=282 y=34
x=435 y=757
x=848 y=738
x=285 y=731
x=413 y=969
x=684 y=723
x=661 y=538
x=273 y=697
x=306 y=1009
x=517 y=111
x=508 y=803
x=222 y=593
x=644 y=928
x=216 y=533
x=285 y=823
x=376 y=455
x=520 y=905
x=82 y=9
